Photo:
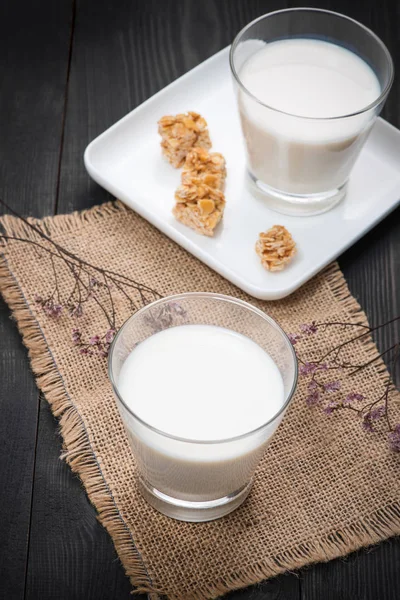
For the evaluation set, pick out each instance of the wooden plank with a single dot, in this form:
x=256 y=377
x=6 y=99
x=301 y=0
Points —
x=372 y=266
x=18 y=425
x=372 y=269
x=371 y=574
x=32 y=79
x=70 y=554
x=284 y=587
x=34 y=52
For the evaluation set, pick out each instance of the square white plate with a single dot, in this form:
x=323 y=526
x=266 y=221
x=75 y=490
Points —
x=126 y=160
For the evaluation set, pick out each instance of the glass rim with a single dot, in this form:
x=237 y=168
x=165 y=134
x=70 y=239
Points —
x=224 y=298
x=377 y=39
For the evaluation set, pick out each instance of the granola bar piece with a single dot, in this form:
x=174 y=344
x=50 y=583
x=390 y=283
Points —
x=181 y=133
x=199 y=206
x=276 y=248
x=209 y=167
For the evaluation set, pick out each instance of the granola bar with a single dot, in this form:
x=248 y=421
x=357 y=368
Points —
x=181 y=133
x=192 y=216
x=199 y=206
x=209 y=167
x=276 y=248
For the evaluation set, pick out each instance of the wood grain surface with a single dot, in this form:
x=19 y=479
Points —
x=32 y=89
x=68 y=71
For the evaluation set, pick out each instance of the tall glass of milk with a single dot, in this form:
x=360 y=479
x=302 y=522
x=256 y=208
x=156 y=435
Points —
x=202 y=382
x=310 y=84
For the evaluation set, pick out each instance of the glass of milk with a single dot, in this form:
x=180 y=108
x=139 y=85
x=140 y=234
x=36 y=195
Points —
x=202 y=381
x=310 y=84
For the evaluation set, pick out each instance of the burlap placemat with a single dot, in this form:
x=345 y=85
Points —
x=324 y=488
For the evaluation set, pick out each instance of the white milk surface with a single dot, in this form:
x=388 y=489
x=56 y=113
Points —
x=201 y=382
x=310 y=78
x=295 y=141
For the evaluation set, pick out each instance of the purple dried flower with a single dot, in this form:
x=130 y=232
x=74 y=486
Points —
x=52 y=310
x=47 y=308
x=394 y=439
x=110 y=335
x=165 y=317
x=76 y=337
x=294 y=338
x=332 y=386
x=312 y=385
x=309 y=368
x=331 y=407
x=102 y=349
x=177 y=309
x=86 y=351
x=94 y=340
x=57 y=310
x=309 y=328
x=377 y=413
x=313 y=399
x=367 y=423
x=93 y=283
x=353 y=397
x=76 y=310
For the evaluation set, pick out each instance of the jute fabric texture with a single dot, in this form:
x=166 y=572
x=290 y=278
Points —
x=324 y=487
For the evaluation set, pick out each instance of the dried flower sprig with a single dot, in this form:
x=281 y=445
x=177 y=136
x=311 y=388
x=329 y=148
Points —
x=90 y=283
x=159 y=318
x=96 y=345
x=328 y=393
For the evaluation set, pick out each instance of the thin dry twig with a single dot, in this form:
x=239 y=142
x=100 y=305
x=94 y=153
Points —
x=328 y=393
x=89 y=283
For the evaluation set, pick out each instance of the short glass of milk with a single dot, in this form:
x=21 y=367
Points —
x=310 y=84
x=202 y=382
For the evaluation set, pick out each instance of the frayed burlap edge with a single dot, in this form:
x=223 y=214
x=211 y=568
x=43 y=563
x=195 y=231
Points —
x=79 y=453
x=77 y=448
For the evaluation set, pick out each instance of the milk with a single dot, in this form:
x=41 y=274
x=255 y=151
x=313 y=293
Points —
x=202 y=383
x=305 y=148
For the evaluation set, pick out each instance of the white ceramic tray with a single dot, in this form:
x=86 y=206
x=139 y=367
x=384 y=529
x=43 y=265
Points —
x=126 y=160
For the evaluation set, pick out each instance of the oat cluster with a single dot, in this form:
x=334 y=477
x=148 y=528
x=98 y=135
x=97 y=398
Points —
x=276 y=248
x=209 y=167
x=180 y=133
x=200 y=201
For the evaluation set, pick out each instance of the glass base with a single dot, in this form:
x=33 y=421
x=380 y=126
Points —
x=194 y=512
x=296 y=204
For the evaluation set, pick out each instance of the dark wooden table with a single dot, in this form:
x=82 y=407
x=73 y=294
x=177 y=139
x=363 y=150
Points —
x=68 y=70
